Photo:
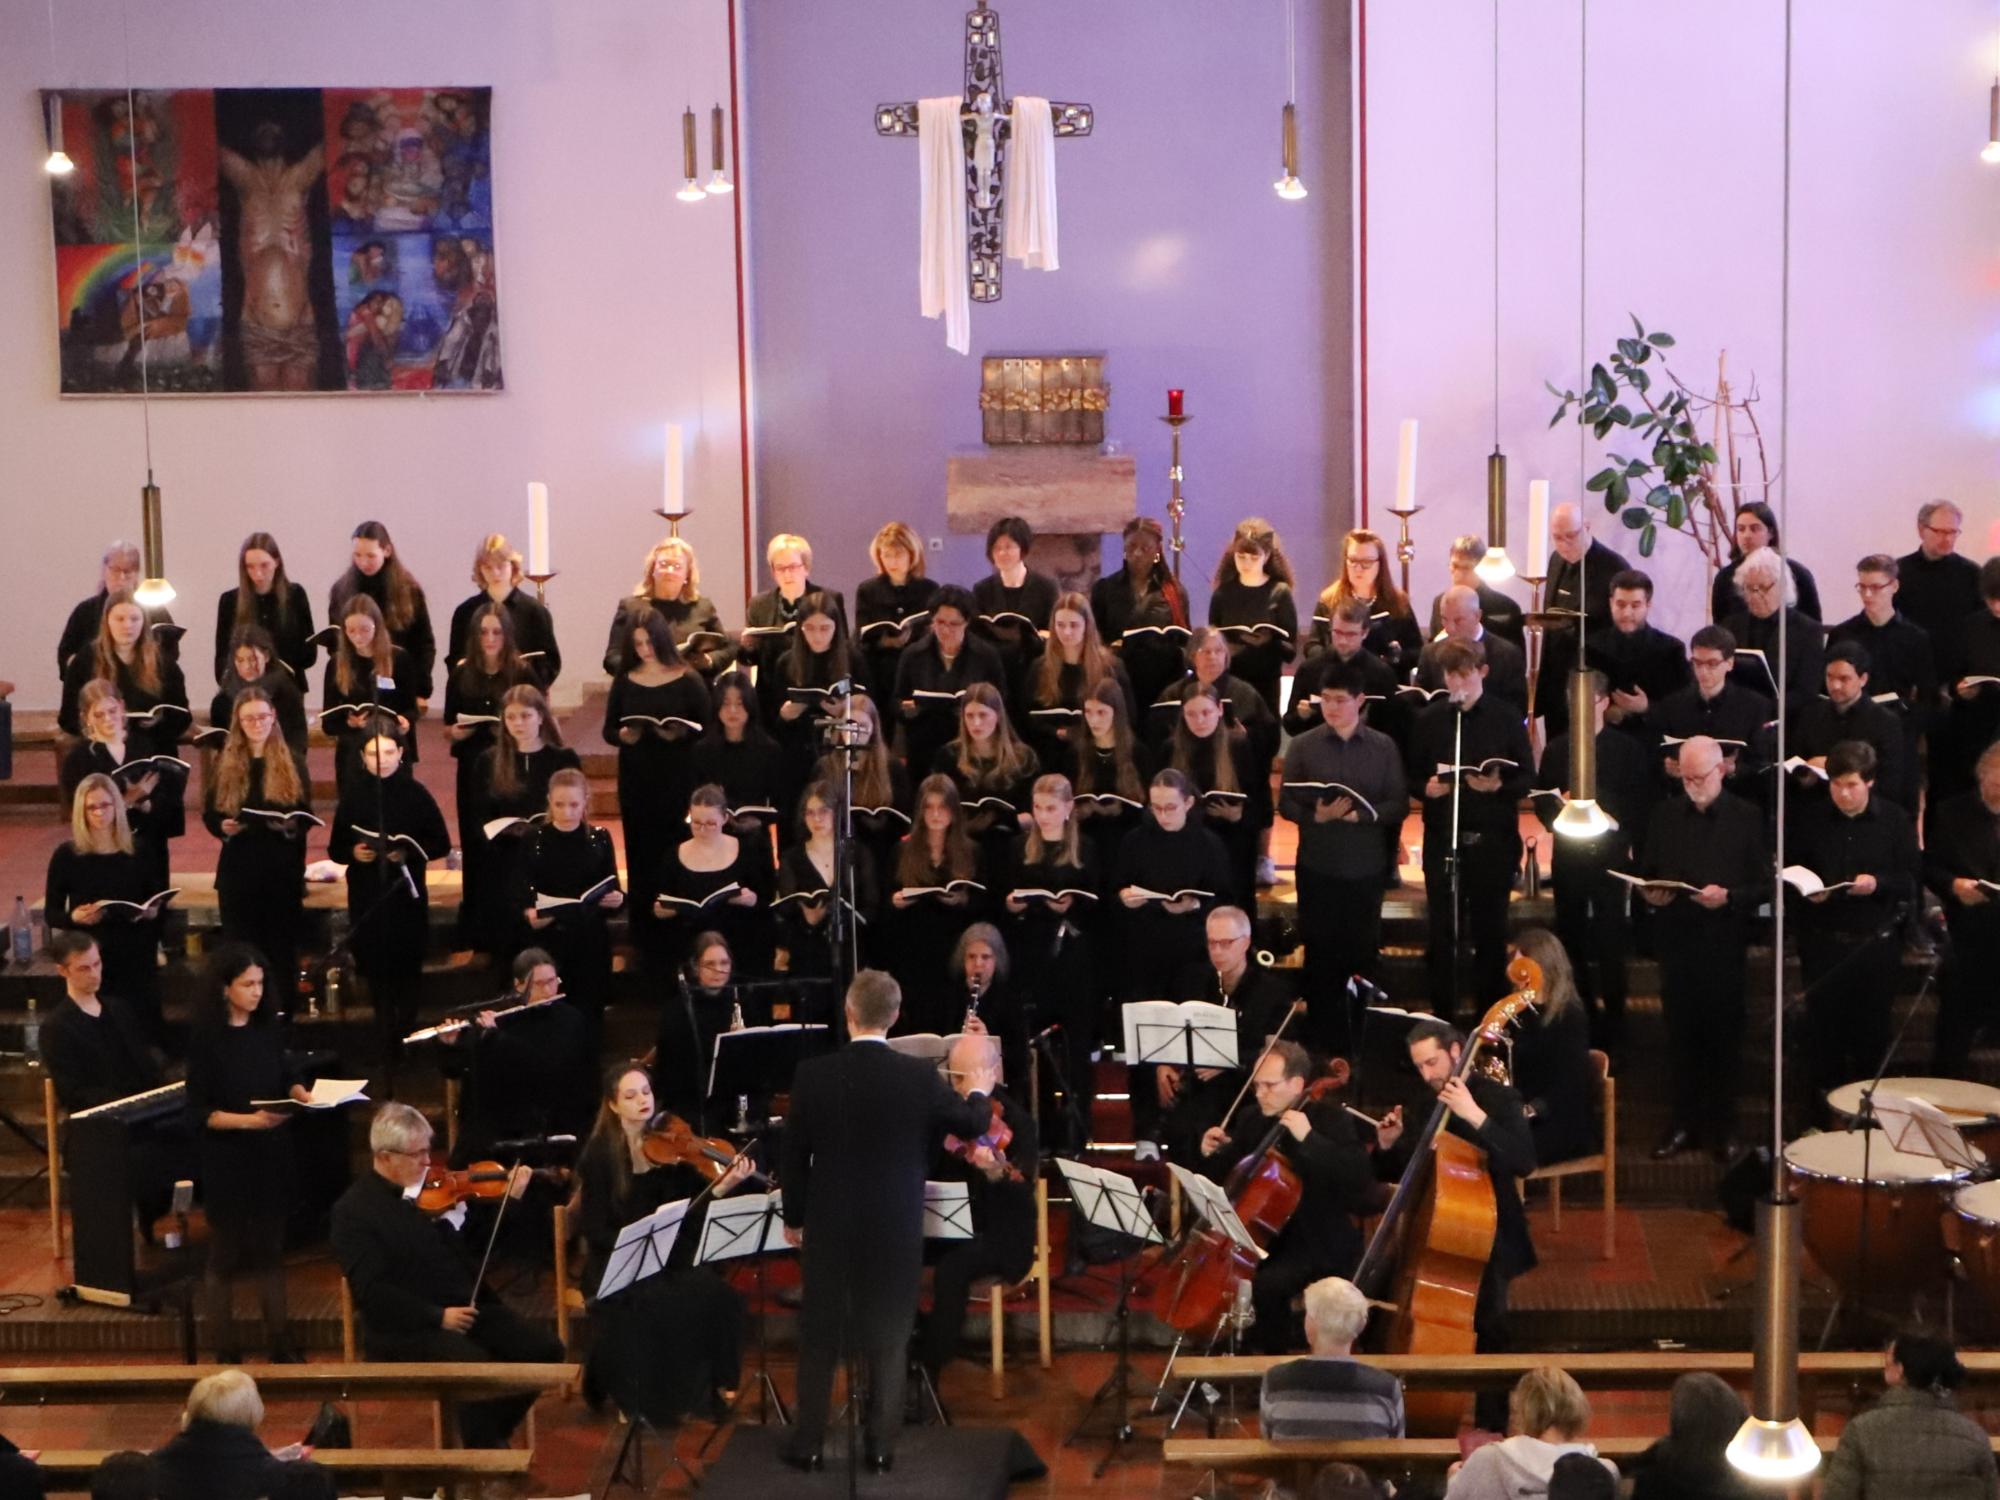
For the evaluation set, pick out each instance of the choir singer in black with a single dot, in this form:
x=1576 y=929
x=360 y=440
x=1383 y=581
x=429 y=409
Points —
x=858 y=1141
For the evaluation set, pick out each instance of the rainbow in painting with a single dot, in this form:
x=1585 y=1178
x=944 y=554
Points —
x=108 y=298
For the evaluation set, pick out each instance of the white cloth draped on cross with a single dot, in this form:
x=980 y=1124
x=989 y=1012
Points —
x=1029 y=192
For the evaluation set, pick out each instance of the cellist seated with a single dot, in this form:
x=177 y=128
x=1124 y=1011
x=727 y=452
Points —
x=1002 y=1183
x=1322 y=1236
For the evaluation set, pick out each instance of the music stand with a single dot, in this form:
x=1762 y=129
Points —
x=1200 y=1035
x=1212 y=1204
x=762 y=1059
x=1920 y=1128
x=642 y=1248
x=947 y=1211
x=747 y=1226
x=1112 y=1202
x=936 y=1050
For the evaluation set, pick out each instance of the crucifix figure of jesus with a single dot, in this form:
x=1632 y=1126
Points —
x=987 y=117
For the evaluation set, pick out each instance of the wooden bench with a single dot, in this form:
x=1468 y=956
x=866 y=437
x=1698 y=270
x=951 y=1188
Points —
x=79 y=1385
x=393 y=1473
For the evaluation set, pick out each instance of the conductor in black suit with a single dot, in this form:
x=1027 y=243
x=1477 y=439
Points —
x=858 y=1143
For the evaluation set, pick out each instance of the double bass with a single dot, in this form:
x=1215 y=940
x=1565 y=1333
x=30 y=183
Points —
x=1436 y=1236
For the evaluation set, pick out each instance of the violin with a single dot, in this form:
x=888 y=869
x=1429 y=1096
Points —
x=445 y=1189
x=996 y=1138
x=669 y=1141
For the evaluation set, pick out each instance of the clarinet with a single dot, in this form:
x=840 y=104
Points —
x=972 y=1009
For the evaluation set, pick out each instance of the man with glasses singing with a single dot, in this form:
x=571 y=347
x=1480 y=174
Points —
x=1714 y=705
x=1323 y=1236
x=1938 y=588
x=1711 y=843
x=1899 y=654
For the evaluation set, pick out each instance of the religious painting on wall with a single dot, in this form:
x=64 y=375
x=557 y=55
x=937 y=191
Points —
x=218 y=241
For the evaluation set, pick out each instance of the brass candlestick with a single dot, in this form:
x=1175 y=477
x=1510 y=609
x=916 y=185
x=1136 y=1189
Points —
x=540 y=581
x=1406 y=547
x=1176 y=505
x=1534 y=649
x=673 y=519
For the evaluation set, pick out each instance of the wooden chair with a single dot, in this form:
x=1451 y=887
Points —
x=52 y=1130
x=569 y=1299
x=998 y=1293
x=1605 y=1162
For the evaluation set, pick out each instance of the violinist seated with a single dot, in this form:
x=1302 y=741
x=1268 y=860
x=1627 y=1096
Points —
x=415 y=1279
x=670 y=1342
x=1314 y=1139
x=999 y=1169
x=1330 y=1394
x=1489 y=1114
x=1184 y=1102
x=525 y=1062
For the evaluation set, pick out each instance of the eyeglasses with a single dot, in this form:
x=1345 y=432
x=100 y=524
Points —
x=1264 y=1088
x=399 y=1151
x=1759 y=590
x=1941 y=530
x=1868 y=589
x=1707 y=663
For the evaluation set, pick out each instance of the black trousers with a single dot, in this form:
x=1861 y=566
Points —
x=497 y=1335
x=883 y=1354
x=1850 y=992
x=1491 y=1335
x=1966 y=995
x=1340 y=921
x=1281 y=1277
x=1701 y=992
x=1591 y=920
x=1486 y=878
x=951 y=1284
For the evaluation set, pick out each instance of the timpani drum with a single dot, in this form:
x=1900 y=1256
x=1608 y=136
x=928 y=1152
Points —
x=1972 y=1236
x=1906 y=1196
x=1973 y=1107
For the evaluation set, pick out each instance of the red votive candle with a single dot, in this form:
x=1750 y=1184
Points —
x=1174 y=402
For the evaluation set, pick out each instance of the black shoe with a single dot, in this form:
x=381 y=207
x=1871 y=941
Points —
x=880 y=1463
x=1673 y=1143
x=805 y=1463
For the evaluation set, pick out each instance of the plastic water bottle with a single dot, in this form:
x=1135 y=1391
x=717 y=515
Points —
x=21 y=934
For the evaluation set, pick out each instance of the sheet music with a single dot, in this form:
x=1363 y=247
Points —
x=1214 y=1207
x=947 y=1211
x=739 y=1225
x=642 y=1248
x=1922 y=1129
x=798 y=1028
x=1197 y=1033
x=1109 y=1201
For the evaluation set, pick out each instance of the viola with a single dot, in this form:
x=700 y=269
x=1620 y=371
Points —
x=670 y=1141
x=445 y=1189
x=996 y=1138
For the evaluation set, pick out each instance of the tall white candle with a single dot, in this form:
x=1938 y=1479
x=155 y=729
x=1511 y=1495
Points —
x=675 y=502
x=1406 y=466
x=538 y=529
x=1538 y=525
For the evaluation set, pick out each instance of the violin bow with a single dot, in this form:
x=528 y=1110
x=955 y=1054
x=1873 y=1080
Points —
x=493 y=1235
x=1275 y=1038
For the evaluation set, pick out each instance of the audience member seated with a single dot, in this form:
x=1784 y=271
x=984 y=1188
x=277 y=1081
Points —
x=1914 y=1441
x=21 y=1477
x=1578 y=1476
x=414 y=1282
x=1704 y=1413
x=217 y=1454
x=1549 y=1414
x=126 y=1475
x=1329 y=1393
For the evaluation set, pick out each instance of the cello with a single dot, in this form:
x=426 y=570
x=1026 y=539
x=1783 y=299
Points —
x=1436 y=1236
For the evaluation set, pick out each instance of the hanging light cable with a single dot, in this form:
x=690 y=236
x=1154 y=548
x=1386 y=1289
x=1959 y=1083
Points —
x=1773 y=1444
x=1990 y=152
x=58 y=163
x=1288 y=185
x=690 y=165
x=718 y=177
x=1496 y=566
x=153 y=592
x=1581 y=817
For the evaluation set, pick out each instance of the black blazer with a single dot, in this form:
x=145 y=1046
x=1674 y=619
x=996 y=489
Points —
x=858 y=1142
x=213 y=1461
x=405 y=1267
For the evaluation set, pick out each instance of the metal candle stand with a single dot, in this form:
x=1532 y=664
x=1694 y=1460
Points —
x=541 y=583
x=1176 y=505
x=1406 y=547
x=673 y=518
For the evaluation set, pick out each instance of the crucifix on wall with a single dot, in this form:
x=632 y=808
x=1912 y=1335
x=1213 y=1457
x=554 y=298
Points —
x=987 y=122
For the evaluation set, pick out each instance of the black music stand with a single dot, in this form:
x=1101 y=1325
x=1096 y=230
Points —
x=641 y=1251
x=1112 y=1202
x=747 y=1226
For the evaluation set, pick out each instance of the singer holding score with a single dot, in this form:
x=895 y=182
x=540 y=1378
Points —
x=1863 y=850
x=1469 y=754
x=416 y=1280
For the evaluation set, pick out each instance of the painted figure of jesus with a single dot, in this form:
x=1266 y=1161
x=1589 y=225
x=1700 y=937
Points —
x=274 y=242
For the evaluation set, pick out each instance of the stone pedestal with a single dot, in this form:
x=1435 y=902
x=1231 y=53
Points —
x=1071 y=496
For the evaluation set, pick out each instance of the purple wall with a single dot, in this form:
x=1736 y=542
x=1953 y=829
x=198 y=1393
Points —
x=1178 y=261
